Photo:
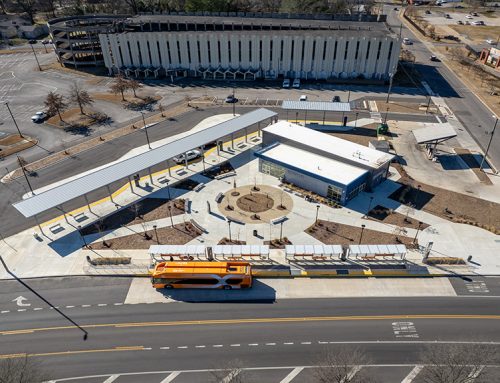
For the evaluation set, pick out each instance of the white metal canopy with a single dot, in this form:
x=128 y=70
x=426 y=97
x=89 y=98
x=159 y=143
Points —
x=317 y=106
x=435 y=133
x=69 y=190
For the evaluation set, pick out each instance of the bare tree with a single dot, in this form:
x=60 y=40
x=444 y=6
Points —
x=28 y=7
x=134 y=85
x=342 y=365
x=21 y=370
x=458 y=363
x=80 y=97
x=120 y=85
x=55 y=104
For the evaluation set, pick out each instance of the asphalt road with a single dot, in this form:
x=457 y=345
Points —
x=112 y=150
x=470 y=111
x=127 y=338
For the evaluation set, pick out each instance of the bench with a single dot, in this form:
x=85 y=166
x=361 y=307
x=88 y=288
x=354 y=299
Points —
x=225 y=175
x=56 y=228
x=375 y=256
x=198 y=187
x=163 y=180
x=198 y=226
x=80 y=217
x=219 y=197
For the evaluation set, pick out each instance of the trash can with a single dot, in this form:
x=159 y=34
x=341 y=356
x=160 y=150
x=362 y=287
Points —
x=255 y=234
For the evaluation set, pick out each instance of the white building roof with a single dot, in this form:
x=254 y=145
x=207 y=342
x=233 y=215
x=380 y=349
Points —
x=120 y=170
x=338 y=147
x=321 y=106
x=315 y=164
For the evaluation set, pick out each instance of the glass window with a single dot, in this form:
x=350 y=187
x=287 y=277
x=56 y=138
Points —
x=272 y=169
x=334 y=193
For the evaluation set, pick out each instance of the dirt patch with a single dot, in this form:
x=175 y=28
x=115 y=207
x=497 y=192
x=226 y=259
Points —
x=73 y=118
x=226 y=241
x=444 y=261
x=448 y=204
x=187 y=184
x=382 y=214
x=400 y=107
x=332 y=233
x=14 y=143
x=215 y=171
x=255 y=202
x=131 y=102
x=178 y=235
x=278 y=244
x=149 y=209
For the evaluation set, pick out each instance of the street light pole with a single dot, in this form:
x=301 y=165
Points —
x=317 y=212
x=170 y=214
x=25 y=175
x=13 y=119
x=156 y=234
x=281 y=230
x=489 y=143
x=229 y=228
x=36 y=58
x=356 y=120
x=361 y=236
x=416 y=197
x=234 y=105
x=391 y=75
x=146 y=130
x=418 y=228
x=386 y=113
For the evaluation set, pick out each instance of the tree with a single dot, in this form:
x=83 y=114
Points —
x=120 y=85
x=21 y=370
x=341 y=365
x=55 y=104
x=458 y=363
x=80 y=97
x=28 y=7
x=134 y=85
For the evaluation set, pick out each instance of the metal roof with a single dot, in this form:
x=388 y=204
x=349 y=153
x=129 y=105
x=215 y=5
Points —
x=377 y=249
x=322 y=106
x=434 y=133
x=119 y=170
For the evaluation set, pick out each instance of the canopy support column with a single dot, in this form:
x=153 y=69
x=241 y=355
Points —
x=150 y=176
x=87 y=201
x=110 y=194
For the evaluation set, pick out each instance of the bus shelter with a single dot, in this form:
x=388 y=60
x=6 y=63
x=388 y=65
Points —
x=241 y=251
x=295 y=107
x=182 y=252
x=377 y=252
x=315 y=252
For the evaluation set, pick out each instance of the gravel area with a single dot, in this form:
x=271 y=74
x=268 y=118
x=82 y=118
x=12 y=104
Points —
x=382 y=214
x=333 y=233
x=178 y=235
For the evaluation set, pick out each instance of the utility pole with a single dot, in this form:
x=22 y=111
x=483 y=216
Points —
x=391 y=75
x=36 y=58
x=489 y=143
x=146 y=130
x=361 y=236
x=13 y=119
x=234 y=105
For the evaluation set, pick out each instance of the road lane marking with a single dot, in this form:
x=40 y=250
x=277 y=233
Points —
x=171 y=377
x=404 y=330
x=118 y=304
x=270 y=344
x=288 y=343
x=253 y=344
x=5 y=311
x=164 y=348
x=291 y=376
x=235 y=345
x=217 y=345
x=183 y=347
x=86 y=305
x=267 y=321
x=37 y=308
x=305 y=342
x=413 y=374
x=74 y=352
x=112 y=378
x=21 y=309
x=102 y=304
x=69 y=307
x=200 y=346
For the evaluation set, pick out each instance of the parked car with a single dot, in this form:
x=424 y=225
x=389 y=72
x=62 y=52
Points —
x=478 y=22
x=231 y=99
x=474 y=14
x=296 y=83
x=491 y=42
x=32 y=41
x=447 y=16
x=427 y=12
x=286 y=83
x=39 y=117
x=44 y=42
x=407 y=41
x=467 y=22
x=303 y=98
x=459 y=7
x=469 y=17
x=396 y=9
x=460 y=22
x=336 y=99
x=434 y=58
x=190 y=155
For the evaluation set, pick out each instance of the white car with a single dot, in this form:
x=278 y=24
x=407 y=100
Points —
x=286 y=83
x=478 y=22
x=303 y=98
x=39 y=117
x=468 y=17
x=296 y=83
x=491 y=42
x=190 y=155
x=407 y=41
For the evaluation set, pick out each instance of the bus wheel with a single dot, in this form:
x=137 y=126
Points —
x=227 y=287
x=169 y=287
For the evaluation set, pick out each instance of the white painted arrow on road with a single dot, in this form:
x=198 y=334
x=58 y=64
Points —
x=19 y=300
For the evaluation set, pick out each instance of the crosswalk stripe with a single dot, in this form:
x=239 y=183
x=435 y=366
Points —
x=296 y=371
x=112 y=378
x=171 y=377
x=413 y=374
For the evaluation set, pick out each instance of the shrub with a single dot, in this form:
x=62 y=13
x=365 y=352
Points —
x=109 y=261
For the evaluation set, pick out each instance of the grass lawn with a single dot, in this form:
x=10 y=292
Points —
x=477 y=33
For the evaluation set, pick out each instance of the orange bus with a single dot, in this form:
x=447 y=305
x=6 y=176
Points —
x=202 y=275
